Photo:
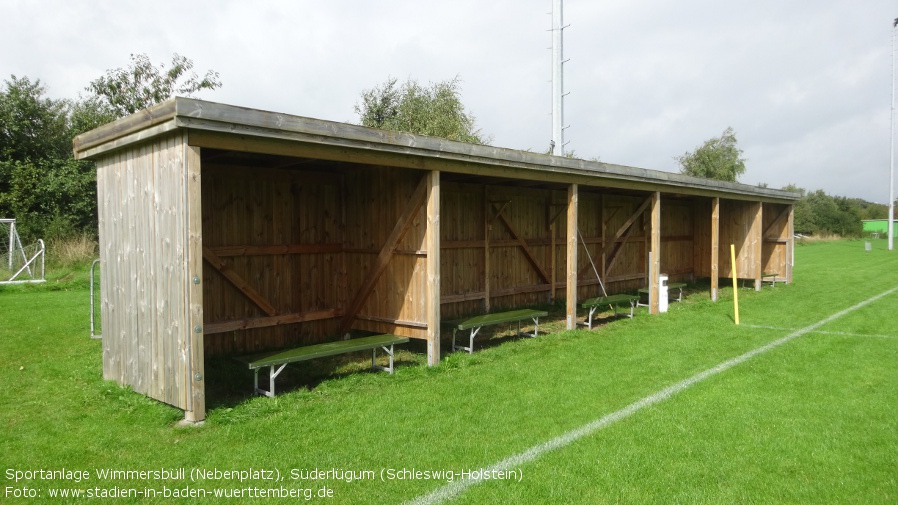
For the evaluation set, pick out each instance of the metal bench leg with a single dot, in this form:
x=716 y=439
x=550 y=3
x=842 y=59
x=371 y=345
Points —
x=535 y=328
x=272 y=375
x=632 y=308
x=374 y=364
x=470 y=347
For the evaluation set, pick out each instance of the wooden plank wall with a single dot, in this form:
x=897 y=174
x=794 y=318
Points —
x=737 y=227
x=471 y=232
x=144 y=233
x=305 y=240
x=774 y=255
x=701 y=244
x=375 y=198
x=281 y=232
x=677 y=239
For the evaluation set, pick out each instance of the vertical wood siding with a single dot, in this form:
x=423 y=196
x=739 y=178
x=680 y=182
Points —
x=143 y=214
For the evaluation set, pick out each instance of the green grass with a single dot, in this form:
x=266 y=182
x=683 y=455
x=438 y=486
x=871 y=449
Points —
x=811 y=421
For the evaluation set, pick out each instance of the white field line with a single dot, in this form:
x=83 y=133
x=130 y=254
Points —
x=457 y=487
x=821 y=332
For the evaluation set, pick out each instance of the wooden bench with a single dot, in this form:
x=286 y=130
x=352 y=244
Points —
x=476 y=323
x=670 y=285
x=771 y=276
x=278 y=360
x=613 y=301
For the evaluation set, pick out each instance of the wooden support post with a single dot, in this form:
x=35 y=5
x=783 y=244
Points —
x=715 y=247
x=432 y=243
x=790 y=244
x=656 y=253
x=194 y=273
x=603 y=224
x=571 y=265
x=757 y=243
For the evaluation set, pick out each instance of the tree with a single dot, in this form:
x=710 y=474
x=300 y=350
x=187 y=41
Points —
x=435 y=110
x=817 y=213
x=32 y=126
x=127 y=90
x=718 y=158
x=41 y=185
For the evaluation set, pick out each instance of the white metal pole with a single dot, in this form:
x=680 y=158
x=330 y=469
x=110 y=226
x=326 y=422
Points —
x=12 y=243
x=557 y=79
x=892 y=154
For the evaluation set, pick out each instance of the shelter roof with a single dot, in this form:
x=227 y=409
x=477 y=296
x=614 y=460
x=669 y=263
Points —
x=239 y=129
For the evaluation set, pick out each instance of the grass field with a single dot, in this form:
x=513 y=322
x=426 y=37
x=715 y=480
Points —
x=813 y=419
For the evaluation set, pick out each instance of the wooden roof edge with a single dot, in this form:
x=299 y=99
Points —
x=184 y=112
x=110 y=132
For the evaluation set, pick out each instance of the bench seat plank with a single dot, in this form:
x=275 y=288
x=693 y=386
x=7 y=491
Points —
x=476 y=323
x=670 y=285
x=278 y=360
x=614 y=301
x=321 y=350
x=500 y=317
x=609 y=300
x=771 y=276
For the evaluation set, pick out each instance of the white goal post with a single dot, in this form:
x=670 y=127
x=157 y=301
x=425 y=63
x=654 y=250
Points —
x=19 y=264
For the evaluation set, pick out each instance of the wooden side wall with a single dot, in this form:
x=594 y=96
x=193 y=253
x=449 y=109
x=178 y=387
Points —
x=775 y=257
x=145 y=198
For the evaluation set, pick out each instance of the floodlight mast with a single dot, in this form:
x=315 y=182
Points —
x=892 y=154
x=557 y=79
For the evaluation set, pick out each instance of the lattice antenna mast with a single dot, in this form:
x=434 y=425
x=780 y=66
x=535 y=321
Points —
x=558 y=93
x=892 y=155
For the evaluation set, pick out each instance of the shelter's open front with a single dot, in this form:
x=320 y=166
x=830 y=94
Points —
x=226 y=230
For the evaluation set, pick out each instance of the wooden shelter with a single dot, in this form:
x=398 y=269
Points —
x=231 y=230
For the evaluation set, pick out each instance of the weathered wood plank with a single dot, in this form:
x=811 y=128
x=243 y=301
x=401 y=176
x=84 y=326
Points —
x=571 y=265
x=253 y=250
x=756 y=238
x=432 y=291
x=265 y=322
x=192 y=279
x=715 y=247
x=655 y=281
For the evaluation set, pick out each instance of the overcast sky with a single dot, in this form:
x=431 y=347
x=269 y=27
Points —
x=806 y=85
